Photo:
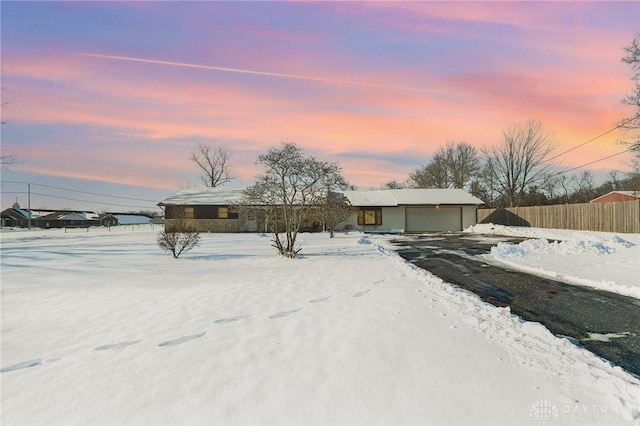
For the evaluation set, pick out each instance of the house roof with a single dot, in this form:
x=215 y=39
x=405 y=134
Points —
x=204 y=196
x=15 y=214
x=635 y=194
x=377 y=198
x=132 y=219
x=397 y=197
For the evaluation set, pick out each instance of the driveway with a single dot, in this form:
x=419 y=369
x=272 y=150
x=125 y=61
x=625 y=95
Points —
x=604 y=323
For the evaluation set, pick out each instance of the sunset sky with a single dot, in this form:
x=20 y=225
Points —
x=113 y=97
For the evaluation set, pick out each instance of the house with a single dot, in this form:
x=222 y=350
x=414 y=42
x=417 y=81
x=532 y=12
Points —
x=615 y=196
x=15 y=217
x=391 y=210
x=19 y=217
x=208 y=210
x=413 y=210
x=74 y=219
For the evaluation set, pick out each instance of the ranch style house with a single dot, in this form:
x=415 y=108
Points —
x=386 y=210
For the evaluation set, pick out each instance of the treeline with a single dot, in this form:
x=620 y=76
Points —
x=518 y=171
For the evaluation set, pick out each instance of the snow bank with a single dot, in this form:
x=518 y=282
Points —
x=596 y=259
x=566 y=247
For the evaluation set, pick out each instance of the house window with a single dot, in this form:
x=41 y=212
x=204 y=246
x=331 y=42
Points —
x=188 y=213
x=370 y=217
x=223 y=213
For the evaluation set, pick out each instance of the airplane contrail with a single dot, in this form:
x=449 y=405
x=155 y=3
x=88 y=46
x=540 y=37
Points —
x=264 y=73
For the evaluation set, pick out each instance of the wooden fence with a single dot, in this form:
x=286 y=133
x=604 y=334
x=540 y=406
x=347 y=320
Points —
x=621 y=216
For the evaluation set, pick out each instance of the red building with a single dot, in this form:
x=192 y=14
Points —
x=615 y=196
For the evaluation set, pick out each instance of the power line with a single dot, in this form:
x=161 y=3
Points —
x=82 y=192
x=87 y=201
x=592 y=162
x=593 y=139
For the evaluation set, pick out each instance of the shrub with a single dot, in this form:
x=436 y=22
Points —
x=178 y=242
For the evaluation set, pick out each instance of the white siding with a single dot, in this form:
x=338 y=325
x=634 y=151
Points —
x=419 y=219
x=393 y=219
x=469 y=216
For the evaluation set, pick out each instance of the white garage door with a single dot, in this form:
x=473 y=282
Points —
x=421 y=219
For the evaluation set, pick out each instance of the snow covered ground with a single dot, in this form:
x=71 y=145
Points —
x=596 y=259
x=102 y=327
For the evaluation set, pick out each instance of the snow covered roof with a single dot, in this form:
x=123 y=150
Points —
x=132 y=219
x=378 y=198
x=65 y=216
x=204 y=196
x=396 y=197
x=34 y=213
x=58 y=215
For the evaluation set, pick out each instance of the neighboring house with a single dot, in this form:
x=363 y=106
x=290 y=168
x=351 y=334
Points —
x=15 y=217
x=108 y=219
x=18 y=217
x=413 y=210
x=615 y=196
x=392 y=210
x=208 y=210
x=68 y=219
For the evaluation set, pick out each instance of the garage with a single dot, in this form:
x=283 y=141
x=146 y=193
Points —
x=425 y=219
x=413 y=210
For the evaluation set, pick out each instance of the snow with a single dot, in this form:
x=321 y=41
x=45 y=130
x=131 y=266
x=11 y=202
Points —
x=600 y=260
x=205 y=196
x=410 y=196
x=102 y=327
x=132 y=219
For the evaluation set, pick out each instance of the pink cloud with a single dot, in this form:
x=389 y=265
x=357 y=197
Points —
x=169 y=108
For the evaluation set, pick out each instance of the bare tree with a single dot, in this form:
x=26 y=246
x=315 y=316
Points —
x=213 y=164
x=584 y=187
x=453 y=166
x=614 y=179
x=289 y=191
x=7 y=160
x=632 y=123
x=334 y=209
x=179 y=236
x=433 y=175
x=178 y=242
x=394 y=184
x=520 y=161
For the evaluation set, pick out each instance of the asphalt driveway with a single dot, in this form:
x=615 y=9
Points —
x=567 y=310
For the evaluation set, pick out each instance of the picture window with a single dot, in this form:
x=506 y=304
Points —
x=370 y=217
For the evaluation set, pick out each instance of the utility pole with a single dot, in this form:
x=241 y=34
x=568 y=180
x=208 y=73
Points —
x=29 y=205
